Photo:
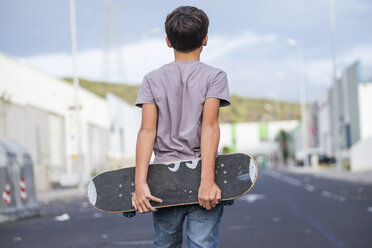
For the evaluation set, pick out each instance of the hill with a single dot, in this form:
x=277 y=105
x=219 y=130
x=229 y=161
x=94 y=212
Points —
x=242 y=109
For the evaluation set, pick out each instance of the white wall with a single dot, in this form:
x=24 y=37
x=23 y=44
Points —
x=31 y=88
x=247 y=136
x=30 y=127
x=125 y=121
x=360 y=158
x=28 y=85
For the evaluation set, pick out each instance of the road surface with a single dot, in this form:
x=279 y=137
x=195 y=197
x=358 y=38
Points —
x=283 y=210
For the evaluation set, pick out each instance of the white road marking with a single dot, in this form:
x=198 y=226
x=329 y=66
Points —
x=17 y=239
x=326 y=193
x=284 y=178
x=84 y=204
x=276 y=219
x=250 y=198
x=237 y=227
x=333 y=196
x=342 y=198
x=306 y=186
x=273 y=174
x=369 y=209
x=97 y=215
x=309 y=187
x=135 y=242
x=292 y=181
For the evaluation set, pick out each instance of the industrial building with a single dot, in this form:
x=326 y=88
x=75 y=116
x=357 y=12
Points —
x=38 y=111
x=351 y=130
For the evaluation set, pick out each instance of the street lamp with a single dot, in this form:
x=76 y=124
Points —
x=300 y=57
x=336 y=129
x=78 y=157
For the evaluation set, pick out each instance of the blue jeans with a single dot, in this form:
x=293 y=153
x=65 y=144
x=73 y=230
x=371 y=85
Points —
x=202 y=226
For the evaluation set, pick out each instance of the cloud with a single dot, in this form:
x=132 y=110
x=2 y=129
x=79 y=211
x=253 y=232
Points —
x=257 y=65
x=131 y=62
x=220 y=45
x=128 y=63
x=320 y=72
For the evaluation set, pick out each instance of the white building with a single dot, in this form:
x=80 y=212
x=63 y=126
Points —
x=125 y=121
x=360 y=158
x=365 y=110
x=324 y=129
x=255 y=138
x=351 y=130
x=40 y=115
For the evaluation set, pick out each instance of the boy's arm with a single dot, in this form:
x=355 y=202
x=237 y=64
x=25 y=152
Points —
x=209 y=193
x=145 y=144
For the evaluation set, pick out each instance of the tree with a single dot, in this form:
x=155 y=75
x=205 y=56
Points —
x=283 y=139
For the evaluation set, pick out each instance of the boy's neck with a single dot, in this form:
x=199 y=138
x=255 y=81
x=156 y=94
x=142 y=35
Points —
x=189 y=56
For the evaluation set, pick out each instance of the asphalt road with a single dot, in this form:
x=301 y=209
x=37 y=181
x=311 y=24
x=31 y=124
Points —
x=283 y=210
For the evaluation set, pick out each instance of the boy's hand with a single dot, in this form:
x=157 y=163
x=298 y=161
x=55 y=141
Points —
x=209 y=194
x=141 y=198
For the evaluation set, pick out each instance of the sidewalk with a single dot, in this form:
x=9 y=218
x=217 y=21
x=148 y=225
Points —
x=332 y=173
x=60 y=194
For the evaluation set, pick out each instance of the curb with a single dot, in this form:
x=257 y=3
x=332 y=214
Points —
x=60 y=194
x=364 y=177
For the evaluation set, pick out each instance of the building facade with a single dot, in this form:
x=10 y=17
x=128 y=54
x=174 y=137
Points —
x=38 y=111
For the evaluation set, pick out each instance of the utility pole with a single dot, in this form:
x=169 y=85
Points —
x=304 y=128
x=77 y=107
x=336 y=129
x=112 y=49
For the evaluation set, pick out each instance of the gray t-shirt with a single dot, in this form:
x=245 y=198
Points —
x=179 y=90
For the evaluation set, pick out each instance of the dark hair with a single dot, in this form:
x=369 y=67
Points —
x=186 y=28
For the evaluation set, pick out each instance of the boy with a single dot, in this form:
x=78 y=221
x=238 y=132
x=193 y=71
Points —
x=180 y=105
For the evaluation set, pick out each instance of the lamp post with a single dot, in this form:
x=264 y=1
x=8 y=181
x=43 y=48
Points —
x=77 y=106
x=300 y=58
x=336 y=129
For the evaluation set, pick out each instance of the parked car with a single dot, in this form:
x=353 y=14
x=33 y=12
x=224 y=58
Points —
x=308 y=153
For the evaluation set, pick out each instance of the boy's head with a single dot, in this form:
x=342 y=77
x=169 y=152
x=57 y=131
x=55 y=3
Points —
x=186 y=28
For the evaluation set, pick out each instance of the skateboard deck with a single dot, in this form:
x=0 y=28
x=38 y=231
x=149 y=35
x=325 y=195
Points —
x=176 y=183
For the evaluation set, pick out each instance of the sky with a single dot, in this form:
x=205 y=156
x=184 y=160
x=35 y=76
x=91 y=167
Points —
x=247 y=39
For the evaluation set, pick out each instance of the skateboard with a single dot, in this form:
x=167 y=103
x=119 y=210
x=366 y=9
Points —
x=176 y=183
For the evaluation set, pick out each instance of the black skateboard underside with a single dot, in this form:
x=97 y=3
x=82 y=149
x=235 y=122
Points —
x=175 y=183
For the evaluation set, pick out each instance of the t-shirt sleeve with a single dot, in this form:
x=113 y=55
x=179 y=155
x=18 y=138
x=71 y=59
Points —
x=144 y=94
x=219 y=88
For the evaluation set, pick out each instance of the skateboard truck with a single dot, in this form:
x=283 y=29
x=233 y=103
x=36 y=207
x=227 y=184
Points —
x=129 y=214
